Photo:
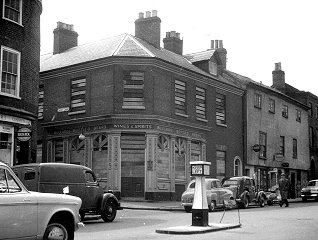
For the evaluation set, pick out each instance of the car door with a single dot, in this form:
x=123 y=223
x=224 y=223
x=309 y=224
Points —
x=18 y=209
x=216 y=190
x=92 y=190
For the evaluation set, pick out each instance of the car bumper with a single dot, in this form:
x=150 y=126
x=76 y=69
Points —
x=309 y=195
x=80 y=225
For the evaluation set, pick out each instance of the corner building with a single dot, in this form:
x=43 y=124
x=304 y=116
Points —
x=145 y=111
x=19 y=79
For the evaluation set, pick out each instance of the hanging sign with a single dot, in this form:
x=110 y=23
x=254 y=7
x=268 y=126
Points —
x=24 y=134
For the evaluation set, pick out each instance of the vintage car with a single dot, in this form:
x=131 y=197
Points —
x=33 y=215
x=76 y=180
x=245 y=191
x=311 y=191
x=216 y=195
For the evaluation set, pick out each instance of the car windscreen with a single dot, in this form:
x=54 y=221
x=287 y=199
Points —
x=228 y=183
x=313 y=183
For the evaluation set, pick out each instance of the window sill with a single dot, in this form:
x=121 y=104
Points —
x=9 y=95
x=182 y=115
x=221 y=124
x=134 y=107
x=202 y=120
x=77 y=112
x=8 y=19
x=263 y=158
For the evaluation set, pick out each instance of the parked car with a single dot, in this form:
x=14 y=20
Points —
x=76 y=180
x=245 y=191
x=216 y=195
x=311 y=191
x=32 y=215
x=273 y=195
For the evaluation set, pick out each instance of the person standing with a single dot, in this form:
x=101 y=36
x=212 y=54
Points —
x=283 y=188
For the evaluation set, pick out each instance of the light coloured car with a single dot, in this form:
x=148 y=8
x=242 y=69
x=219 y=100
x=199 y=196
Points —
x=217 y=196
x=311 y=191
x=33 y=215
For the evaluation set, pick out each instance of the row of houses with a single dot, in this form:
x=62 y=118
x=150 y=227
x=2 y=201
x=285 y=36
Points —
x=137 y=114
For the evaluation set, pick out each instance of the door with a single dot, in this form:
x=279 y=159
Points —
x=18 y=209
x=132 y=165
x=92 y=191
x=292 y=189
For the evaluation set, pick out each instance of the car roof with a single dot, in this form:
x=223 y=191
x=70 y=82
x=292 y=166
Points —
x=238 y=178
x=51 y=164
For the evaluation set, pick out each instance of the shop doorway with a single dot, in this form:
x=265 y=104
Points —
x=133 y=165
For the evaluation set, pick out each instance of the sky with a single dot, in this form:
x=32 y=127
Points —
x=256 y=33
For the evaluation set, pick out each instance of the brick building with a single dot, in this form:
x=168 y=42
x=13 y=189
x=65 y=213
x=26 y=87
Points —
x=136 y=113
x=311 y=101
x=276 y=133
x=19 y=76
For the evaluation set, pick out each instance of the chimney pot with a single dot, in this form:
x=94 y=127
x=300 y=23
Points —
x=148 y=14
x=154 y=13
x=212 y=44
x=278 y=66
x=141 y=15
x=178 y=35
x=64 y=37
x=221 y=43
x=216 y=44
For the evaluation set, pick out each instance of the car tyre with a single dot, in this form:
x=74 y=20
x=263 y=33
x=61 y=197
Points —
x=261 y=201
x=109 y=212
x=244 y=204
x=212 y=206
x=56 y=231
x=304 y=199
x=187 y=209
x=269 y=202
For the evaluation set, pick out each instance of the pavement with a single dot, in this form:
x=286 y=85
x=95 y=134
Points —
x=140 y=204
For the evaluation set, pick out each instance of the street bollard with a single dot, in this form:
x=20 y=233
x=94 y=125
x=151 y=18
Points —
x=200 y=210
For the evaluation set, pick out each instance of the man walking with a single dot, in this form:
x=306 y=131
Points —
x=283 y=188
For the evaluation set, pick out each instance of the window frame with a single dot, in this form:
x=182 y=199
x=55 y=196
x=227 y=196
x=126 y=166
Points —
x=180 y=97
x=310 y=111
x=78 y=104
x=4 y=6
x=200 y=103
x=132 y=82
x=295 y=148
x=282 y=145
x=220 y=109
x=258 y=100
x=263 y=150
x=285 y=111
x=271 y=105
x=298 y=115
x=17 y=82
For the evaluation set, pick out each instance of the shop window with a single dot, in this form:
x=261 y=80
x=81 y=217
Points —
x=12 y=11
x=195 y=151
x=77 y=144
x=10 y=72
x=133 y=90
x=180 y=97
x=78 y=96
x=180 y=158
x=200 y=103
x=58 y=150
x=100 y=142
x=220 y=164
x=220 y=109
x=163 y=157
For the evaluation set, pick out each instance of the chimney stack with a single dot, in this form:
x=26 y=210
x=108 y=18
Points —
x=279 y=78
x=64 y=37
x=173 y=43
x=148 y=28
x=217 y=45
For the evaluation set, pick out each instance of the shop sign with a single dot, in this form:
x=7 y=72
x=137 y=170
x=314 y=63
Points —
x=133 y=126
x=7 y=118
x=24 y=134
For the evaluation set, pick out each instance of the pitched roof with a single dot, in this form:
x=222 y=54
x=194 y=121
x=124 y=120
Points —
x=121 y=45
x=200 y=56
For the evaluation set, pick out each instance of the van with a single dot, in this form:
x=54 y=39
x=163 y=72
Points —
x=76 y=180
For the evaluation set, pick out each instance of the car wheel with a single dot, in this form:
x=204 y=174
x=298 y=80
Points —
x=187 y=209
x=261 y=201
x=109 y=212
x=55 y=231
x=269 y=202
x=82 y=214
x=212 y=206
x=244 y=204
x=304 y=199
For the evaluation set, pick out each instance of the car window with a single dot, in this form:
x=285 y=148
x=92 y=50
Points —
x=313 y=183
x=228 y=183
x=192 y=185
x=217 y=184
x=89 y=177
x=7 y=183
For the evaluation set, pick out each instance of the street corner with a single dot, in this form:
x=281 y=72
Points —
x=185 y=230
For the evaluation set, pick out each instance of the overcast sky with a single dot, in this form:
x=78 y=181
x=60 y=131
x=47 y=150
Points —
x=256 y=33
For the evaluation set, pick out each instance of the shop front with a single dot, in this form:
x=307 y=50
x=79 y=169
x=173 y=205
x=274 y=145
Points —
x=139 y=160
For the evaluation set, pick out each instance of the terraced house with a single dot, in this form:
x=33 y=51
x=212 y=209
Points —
x=137 y=113
x=19 y=79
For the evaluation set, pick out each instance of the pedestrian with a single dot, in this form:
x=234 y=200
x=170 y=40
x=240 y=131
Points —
x=283 y=188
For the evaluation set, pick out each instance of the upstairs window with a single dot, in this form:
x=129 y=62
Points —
x=78 y=96
x=220 y=164
x=41 y=102
x=220 y=109
x=12 y=10
x=180 y=97
x=294 y=148
x=257 y=100
x=213 y=68
x=271 y=107
x=282 y=145
x=134 y=90
x=10 y=72
x=310 y=111
x=263 y=144
x=311 y=137
x=285 y=111
x=200 y=103
x=298 y=115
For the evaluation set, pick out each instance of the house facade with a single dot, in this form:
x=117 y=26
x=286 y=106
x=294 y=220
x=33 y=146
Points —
x=136 y=113
x=19 y=77
x=276 y=130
